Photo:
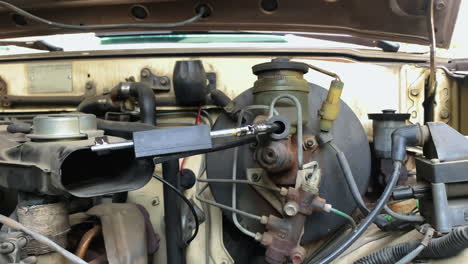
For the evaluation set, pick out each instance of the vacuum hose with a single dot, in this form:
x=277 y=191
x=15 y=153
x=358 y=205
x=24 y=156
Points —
x=438 y=248
x=144 y=95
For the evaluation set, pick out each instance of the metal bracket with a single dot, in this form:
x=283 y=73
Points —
x=155 y=82
x=259 y=175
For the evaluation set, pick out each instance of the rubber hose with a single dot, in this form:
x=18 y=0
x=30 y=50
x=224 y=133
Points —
x=147 y=102
x=122 y=129
x=19 y=128
x=220 y=98
x=444 y=247
x=143 y=94
x=97 y=105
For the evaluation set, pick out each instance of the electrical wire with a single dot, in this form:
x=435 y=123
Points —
x=432 y=39
x=345 y=215
x=197 y=17
x=41 y=239
x=351 y=238
x=406 y=218
x=343 y=162
x=189 y=204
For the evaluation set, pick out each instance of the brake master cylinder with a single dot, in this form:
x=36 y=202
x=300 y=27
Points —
x=282 y=76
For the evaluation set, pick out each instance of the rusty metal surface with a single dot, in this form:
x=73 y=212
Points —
x=125 y=233
x=369 y=18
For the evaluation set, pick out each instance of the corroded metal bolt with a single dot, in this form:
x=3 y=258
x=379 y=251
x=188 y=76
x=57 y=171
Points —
x=256 y=177
x=163 y=81
x=309 y=143
x=144 y=73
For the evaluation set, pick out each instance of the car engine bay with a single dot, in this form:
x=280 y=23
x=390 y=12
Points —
x=235 y=155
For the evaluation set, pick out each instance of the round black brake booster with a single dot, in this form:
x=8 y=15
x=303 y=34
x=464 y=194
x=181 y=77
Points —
x=348 y=135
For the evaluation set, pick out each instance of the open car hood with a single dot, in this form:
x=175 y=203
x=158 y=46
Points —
x=396 y=20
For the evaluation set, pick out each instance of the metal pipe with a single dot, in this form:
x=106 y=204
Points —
x=225 y=207
x=299 y=122
x=275 y=189
x=234 y=172
x=86 y=240
x=112 y=146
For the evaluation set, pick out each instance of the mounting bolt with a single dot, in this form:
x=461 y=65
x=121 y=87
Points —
x=444 y=114
x=291 y=208
x=440 y=5
x=163 y=81
x=89 y=85
x=145 y=73
x=414 y=92
x=155 y=201
x=256 y=177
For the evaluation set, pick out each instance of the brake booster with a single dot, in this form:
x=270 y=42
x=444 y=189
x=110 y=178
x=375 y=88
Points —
x=298 y=158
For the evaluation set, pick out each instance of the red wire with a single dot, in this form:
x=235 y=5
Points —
x=197 y=121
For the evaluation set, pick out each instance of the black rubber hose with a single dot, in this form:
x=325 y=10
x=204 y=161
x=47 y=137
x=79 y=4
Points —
x=143 y=94
x=174 y=243
x=19 y=127
x=438 y=248
x=97 y=105
x=389 y=255
x=122 y=129
x=343 y=245
x=413 y=135
x=220 y=98
x=146 y=100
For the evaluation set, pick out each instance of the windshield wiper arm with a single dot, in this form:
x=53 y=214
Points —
x=34 y=44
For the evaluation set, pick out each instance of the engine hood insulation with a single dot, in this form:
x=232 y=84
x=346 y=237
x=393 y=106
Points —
x=395 y=20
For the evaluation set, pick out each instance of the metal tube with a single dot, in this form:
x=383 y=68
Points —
x=112 y=146
x=276 y=189
x=225 y=207
x=234 y=171
x=86 y=240
x=299 y=122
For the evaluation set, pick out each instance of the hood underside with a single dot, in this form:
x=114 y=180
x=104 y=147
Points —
x=396 y=20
